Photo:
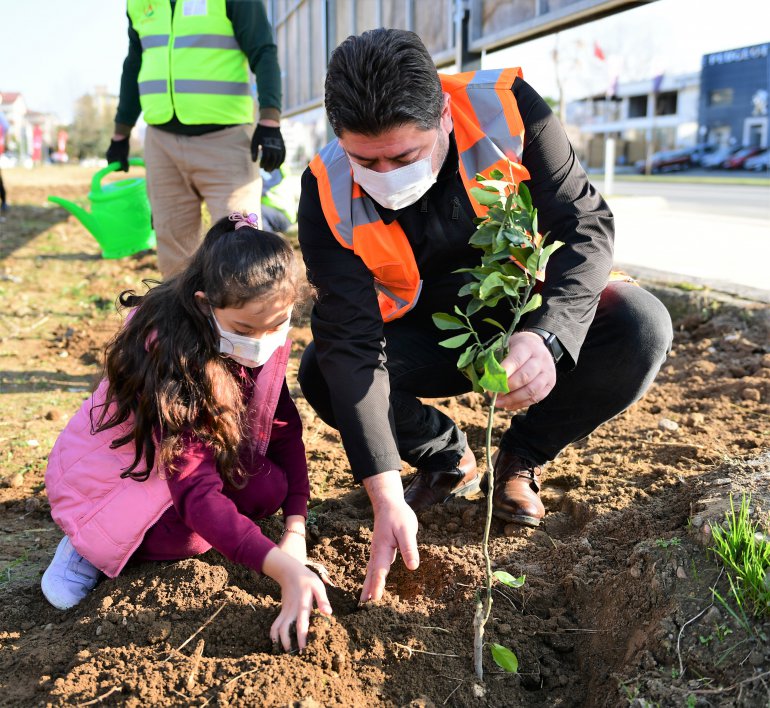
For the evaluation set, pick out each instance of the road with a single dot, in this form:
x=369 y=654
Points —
x=712 y=234
x=746 y=201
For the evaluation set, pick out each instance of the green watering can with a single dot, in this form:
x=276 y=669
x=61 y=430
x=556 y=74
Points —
x=120 y=218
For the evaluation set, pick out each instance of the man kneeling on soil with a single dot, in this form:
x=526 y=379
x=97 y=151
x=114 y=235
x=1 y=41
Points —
x=384 y=222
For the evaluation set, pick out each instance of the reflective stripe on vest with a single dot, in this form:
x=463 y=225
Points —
x=481 y=101
x=199 y=50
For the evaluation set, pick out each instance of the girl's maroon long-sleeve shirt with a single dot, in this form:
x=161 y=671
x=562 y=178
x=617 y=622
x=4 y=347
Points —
x=207 y=512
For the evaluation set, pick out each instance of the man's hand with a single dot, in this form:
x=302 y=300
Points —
x=267 y=135
x=531 y=371
x=395 y=529
x=118 y=151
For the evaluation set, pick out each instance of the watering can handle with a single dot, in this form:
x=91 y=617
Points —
x=96 y=182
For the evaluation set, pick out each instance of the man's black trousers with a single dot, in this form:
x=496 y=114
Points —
x=626 y=345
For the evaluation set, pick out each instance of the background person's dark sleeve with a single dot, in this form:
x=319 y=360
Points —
x=348 y=335
x=572 y=211
x=255 y=38
x=129 y=107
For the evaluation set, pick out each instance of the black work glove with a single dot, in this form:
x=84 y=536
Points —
x=273 y=149
x=118 y=152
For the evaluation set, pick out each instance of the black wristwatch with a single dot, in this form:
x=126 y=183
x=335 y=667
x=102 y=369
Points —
x=551 y=342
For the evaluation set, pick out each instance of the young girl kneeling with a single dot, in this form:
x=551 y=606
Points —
x=192 y=434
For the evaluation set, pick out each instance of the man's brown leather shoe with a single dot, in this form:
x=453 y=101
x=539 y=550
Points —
x=428 y=488
x=516 y=496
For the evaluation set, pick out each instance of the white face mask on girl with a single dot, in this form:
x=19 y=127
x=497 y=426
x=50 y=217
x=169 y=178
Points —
x=398 y=188
x=251 y=351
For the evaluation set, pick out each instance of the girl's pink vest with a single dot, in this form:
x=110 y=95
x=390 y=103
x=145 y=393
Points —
x=105 y=516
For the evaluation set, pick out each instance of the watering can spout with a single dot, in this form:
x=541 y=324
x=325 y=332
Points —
x=85 y=218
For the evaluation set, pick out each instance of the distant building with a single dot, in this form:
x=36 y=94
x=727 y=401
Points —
x=734 y=94
x=659 y=113
x=13 y=106
x=726 y=103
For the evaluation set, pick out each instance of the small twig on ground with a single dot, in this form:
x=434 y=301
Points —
x=679 y=637
x=438 y=629
x=196 y=660
x=726 y=689
x=196 y=633
x=422 y=651
x=576 y=629
x=746 y=409
x=500 y=592
x=37 y=324
x=99 y=699
x=241 y=675
x=453 y=691
x=664 y=443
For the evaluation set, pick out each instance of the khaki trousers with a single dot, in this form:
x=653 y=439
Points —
x=184 y=171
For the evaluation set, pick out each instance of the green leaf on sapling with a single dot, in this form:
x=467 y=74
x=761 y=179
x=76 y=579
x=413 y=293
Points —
x=495 y=379
x=468 y=356
x=468 y=289
x=504 y=658
x=485 y=197
x=456 y=341
x=524 y=196
x=532 y=304
x=508 y=579
x=489 y=320
x=491 y=282
x=470 y=372
x=483 y=236
x=545 y=254
x=474 y=306
x=496 y=174
x=445 y=321
x=532 y=262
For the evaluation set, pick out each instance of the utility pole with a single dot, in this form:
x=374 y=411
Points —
x=465 y=59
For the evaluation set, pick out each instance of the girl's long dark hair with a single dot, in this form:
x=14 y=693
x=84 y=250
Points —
x=164 y=367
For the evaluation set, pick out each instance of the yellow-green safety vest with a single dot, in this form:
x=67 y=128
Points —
x=192 y=65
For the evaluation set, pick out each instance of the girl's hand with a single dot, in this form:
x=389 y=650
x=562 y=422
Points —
x=293 y=539
x=301 y=588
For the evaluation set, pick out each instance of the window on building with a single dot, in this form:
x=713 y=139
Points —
x=721 y=97
x=637 y=106
x=665 y=103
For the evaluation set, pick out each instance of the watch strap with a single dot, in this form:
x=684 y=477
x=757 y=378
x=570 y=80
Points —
x=551 y=342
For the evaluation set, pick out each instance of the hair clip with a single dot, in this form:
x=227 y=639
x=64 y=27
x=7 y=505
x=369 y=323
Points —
x=241 y=220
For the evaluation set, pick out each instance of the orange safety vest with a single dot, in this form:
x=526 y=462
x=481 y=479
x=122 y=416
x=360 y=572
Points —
x=489 y=132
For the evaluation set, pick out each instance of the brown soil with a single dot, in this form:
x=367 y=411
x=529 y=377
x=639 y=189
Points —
x=617 y=607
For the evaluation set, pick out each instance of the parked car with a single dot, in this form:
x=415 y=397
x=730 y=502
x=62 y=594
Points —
x=716 y=158
x=700 y=152
x=759 y=162
x=735 y=161
x=665 y=161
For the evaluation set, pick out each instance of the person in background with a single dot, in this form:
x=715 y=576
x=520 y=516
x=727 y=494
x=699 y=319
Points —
x=192 y=435
x=3 y=196
x=385 y=218
x=187 y=70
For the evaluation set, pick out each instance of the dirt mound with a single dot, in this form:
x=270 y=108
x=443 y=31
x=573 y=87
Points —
x=616 y=608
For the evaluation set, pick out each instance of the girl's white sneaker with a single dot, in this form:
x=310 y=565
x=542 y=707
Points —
x=69 y=577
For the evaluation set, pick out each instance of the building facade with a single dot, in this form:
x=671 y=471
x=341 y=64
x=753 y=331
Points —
x=733 y=97
x=725 y=104
x=643 y=116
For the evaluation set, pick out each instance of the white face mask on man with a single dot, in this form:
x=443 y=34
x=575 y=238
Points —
x=250 y=351
x=398 y=188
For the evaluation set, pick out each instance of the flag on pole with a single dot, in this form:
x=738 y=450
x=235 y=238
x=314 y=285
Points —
x=598 y=53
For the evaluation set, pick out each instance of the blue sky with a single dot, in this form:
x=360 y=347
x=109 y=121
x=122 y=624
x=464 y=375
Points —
x=53 y=60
